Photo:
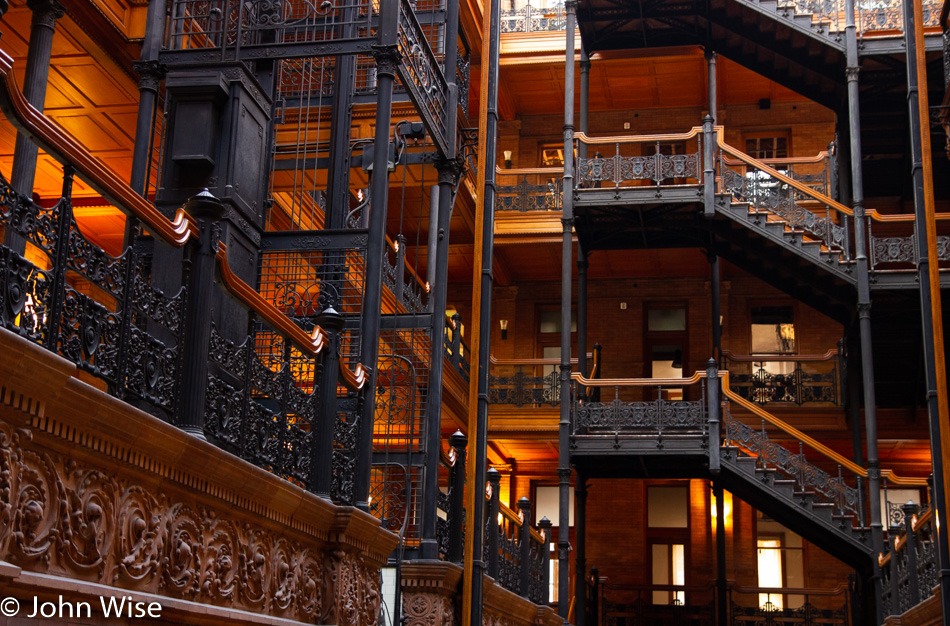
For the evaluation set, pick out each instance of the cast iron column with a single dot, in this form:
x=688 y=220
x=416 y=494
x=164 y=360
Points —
x=582 y=311
x=927 y=301
x=490 y=155
x=150 y=76
x=585 y=105
x=567 y=224
x=864 y=298
x=449 y=172
x=38 y=56
x=338 y=170
x=580 y=561
x=387 y=59
x=448 y=175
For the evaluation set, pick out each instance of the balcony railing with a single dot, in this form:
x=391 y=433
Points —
x=257 y=397
x=510 y=383
x=456 y=350
x=787 y=378
x=533 y=18
x=696 y=604
x=910 y=568
x=517 y=554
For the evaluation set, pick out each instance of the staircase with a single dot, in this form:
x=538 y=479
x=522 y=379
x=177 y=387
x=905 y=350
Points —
x=755 y=455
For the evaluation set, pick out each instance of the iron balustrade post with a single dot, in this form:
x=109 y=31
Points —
x=712 y=408
x=458 y=441
x=709 y=168
x=35 y=80
x=567 y=225
x=712 y=83
x=207 y=210
x=580 y=560
x=457 y=338
x=930 y=297
x=321 y=456
x=893 y=578
x=493 y=525
x=524 y=547
x=60 y=254
x=594 y=396
x=864 y=296
x=448 y=176
x=715 y=281
x=910 y=511
x=545 y=526
x=387 y=59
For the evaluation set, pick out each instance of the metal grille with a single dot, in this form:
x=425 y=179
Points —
x=303 y=283
x=402 y=393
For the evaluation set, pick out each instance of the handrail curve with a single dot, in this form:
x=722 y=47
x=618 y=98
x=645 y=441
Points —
x=310 y=344
x=57 y=142
x=756 y=358
x=584 y=137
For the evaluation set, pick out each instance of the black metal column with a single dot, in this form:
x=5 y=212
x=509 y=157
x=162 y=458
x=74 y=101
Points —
x=387 y=59
x=567 y=224
x=38 y=56
x=489 y=153
x=448 y=176
x=338 y=170
x=438 y=277
x=583 y=122
x=582 y=366
x=927 y=301
x=580 y=561
x=150 y=76
x=864 y=296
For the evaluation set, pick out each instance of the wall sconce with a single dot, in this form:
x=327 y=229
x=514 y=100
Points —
x=727 y=509
x=504 y=329
x=507 y=159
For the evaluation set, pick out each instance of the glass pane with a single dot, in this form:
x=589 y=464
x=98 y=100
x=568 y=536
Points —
x=661 y=572
x=666 y=319
x=667 y=507
x=770 y=570
x=550 y=322
x=773 y=330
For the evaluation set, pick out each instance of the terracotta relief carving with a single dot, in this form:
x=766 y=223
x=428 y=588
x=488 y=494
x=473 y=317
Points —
x=63 y=518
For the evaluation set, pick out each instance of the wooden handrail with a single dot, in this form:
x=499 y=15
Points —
x=637 y=382
x=521 y=171
x=805 y=189
x=515 y=519
x=788 y=428
x=756 y=358
x=48 y=135
x=448 y=457
x=581 y=136
x=310 y=344
x=549 y=361
x=884 y=559
x=821 y=156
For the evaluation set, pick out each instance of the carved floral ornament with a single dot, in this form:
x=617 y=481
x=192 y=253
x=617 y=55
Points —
x=61 y=517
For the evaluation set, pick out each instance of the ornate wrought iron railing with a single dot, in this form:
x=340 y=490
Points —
x=883 y=17
x=456 y=350
x=534 y=387
x=517 y=554
x=410 y=291
x=787 y=378
x=818 y=172
x=678 y=408
x=450 y=523
x=642 y=160
x=533 y=18
x=909 y=568
x=772 y=606
x=522 y=190
x=255 y=396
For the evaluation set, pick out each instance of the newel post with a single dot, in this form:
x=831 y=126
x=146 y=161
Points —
x=709 y=168
x=524 y=545
x=459 y=443
x=492 y=527
x=207 y=211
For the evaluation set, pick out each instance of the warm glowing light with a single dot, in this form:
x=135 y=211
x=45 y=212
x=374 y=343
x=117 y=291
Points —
x=359 y=194
x=727 y=509
x=500 y=518
x=507 y=155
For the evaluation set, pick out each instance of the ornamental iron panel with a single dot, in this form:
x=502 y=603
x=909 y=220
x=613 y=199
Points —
x=773 y=455
x=521 y=389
